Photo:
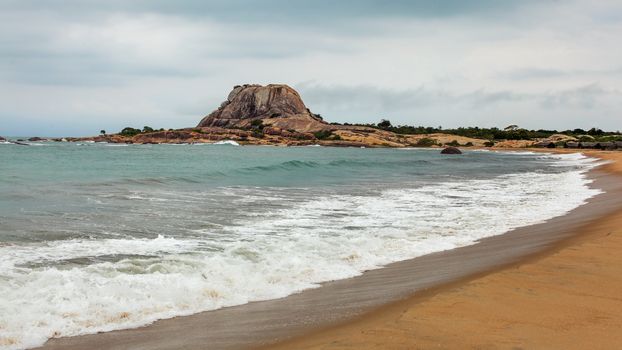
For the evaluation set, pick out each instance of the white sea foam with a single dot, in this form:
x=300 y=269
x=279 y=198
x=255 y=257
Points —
x=227 y=142
x=133 y=282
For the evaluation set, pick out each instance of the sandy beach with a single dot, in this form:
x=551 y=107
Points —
x=212 y=175
x=553 y=285
x=567 y=297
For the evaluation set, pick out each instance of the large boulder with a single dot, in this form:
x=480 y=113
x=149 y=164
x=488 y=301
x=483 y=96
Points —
x=2 y=138
x=451 y=150
x=276 y=104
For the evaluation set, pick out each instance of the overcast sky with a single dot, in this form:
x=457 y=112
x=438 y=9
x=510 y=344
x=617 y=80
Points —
x=73 y=67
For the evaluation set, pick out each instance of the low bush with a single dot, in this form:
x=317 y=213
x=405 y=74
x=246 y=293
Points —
x=426 y=142
x=257 y=124
x=323 y=134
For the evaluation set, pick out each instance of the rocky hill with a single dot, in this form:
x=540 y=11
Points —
x=276 y=105
x=275 y=114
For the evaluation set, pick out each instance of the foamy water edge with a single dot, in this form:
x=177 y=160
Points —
x=208 y=281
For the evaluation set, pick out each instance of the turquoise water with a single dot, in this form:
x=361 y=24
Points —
x=89 y=232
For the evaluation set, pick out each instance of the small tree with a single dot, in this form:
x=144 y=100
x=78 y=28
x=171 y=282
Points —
x=384 y=124
x=512 y=127
x=147 y=129
x=102 y=131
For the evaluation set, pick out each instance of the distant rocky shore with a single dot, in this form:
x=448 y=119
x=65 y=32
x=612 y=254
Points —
x=276 y=115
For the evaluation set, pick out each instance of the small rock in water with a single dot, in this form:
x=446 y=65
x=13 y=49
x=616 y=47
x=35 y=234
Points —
x=451 y=150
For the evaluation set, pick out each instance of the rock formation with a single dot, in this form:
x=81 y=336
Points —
x=451 y=150
x=276 y=105
x=274 y=115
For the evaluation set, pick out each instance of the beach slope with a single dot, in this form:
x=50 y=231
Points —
x=549 y=285
x=567 y=297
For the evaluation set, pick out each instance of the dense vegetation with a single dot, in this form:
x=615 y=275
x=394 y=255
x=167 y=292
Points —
x=512 y=132
x=129 y=131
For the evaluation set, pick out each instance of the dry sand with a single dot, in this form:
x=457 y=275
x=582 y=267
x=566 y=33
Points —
x=569 y=297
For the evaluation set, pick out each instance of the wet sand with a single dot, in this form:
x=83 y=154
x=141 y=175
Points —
x=567 y=297
x=345 y=314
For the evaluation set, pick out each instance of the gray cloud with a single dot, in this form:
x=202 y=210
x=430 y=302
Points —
x=422 y=105
x=552 y=73
x=84 y=65
x=584 y=97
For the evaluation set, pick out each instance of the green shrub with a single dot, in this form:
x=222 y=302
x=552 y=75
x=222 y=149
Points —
x=129 y=132
x=586 y=138
x=257 y=124
x=468 y=144
x=453 y=143
x=489 y=143
x=326 y=135
x=323 y=134
x=426 y=142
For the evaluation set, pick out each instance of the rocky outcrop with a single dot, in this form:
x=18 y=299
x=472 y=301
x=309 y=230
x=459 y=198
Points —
x=276 y=105
x=2 y=138
x=276 y=115
x=451 y=150
x=290 y=134
x=560 y=138
x=191 y=135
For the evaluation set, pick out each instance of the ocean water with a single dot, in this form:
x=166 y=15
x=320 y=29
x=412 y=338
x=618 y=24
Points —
x=98 y=237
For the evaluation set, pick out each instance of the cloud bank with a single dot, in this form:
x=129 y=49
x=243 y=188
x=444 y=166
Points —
x=75 y=67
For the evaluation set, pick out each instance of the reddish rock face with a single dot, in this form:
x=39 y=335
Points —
x=251 y=102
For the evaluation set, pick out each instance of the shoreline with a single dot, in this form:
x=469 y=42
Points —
x=543 y=300
x=342 y=301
